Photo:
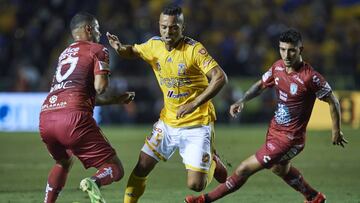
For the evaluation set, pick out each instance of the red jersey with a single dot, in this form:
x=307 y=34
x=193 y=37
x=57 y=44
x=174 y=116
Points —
x=72 y=87
x=296 y=93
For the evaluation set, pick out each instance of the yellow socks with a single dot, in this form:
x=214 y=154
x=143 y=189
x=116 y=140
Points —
x=210 y=174
x=135 y=188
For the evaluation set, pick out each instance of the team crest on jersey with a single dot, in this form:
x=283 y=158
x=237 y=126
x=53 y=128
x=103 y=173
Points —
x=293 y=88
x=181 y=69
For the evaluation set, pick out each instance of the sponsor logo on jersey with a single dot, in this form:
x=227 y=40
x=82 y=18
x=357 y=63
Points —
x=174 y=82
x=62 y=85
x=282 y=114
x=169 y=60
x=171 y=94
x=53 y=99
x=282 y=95
x=69 y=52
x=279 y=68
x=293 y=88
x=54 y=105
x=297 y=78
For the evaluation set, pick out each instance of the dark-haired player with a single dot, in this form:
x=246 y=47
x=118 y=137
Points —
x=297 y=85
x=189 y=78
x=66 y=123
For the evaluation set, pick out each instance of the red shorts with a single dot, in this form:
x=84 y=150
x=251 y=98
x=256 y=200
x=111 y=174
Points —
x=277 y=149
x=75 y=132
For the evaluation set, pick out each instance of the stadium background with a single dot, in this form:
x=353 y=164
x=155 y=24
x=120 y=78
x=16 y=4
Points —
x=240 y=35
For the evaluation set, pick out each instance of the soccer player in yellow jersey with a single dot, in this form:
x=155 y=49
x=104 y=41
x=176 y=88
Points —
x=188 y=77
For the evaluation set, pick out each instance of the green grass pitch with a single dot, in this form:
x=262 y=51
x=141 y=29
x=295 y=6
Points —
x=24 y=166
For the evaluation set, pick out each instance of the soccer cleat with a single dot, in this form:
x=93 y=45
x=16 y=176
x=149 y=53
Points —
x=193 y=199
x=88 y=185
x=319 y=198
x=220 y=173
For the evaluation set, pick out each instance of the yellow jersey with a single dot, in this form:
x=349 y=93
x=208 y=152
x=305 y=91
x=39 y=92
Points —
x=181 y=75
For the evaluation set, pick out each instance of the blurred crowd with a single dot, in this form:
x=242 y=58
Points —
x=241 y=35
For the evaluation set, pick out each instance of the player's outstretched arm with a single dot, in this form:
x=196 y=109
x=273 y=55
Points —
x=217 y=79
x=255 y=90
x=113 y=98
x=337 y=135
x=125 y=51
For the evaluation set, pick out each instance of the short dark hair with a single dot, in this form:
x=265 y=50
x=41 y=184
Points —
x=291 y=36
x=80 y=19
x=172 y=10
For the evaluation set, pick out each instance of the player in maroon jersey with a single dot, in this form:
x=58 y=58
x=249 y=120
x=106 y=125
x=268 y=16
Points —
x=297 y=85
x=66 y=123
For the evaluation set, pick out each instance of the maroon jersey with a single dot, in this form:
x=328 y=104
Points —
x=72 y=87
x=296 y=93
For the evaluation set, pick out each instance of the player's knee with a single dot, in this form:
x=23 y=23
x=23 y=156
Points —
x=243 y=170
x=280 y=170
x=144 y=167
x=196 y=186
x=65 y=163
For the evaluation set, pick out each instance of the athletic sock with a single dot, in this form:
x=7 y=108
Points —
x=211 y=171
x=233 y=183
x=56 y=181
x=107 y=174
x=295 y=179
x=135 y=188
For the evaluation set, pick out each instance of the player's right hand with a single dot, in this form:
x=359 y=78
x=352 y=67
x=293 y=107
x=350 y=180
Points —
x=338 y=138
x=113 y=41
x=236 y=108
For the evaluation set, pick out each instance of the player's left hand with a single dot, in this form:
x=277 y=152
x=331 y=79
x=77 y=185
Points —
x=338 y=138
x=185 y=109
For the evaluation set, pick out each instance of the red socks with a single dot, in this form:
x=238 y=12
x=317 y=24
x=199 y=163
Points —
x=296 y=181
x=232 y=184
x=56 y=181
x=107 y=174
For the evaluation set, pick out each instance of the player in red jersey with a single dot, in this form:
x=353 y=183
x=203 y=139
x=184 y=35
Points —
x=66 y=123
x=297 y=86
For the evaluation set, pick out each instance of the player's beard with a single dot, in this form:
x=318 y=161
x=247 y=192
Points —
x=96 y=39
